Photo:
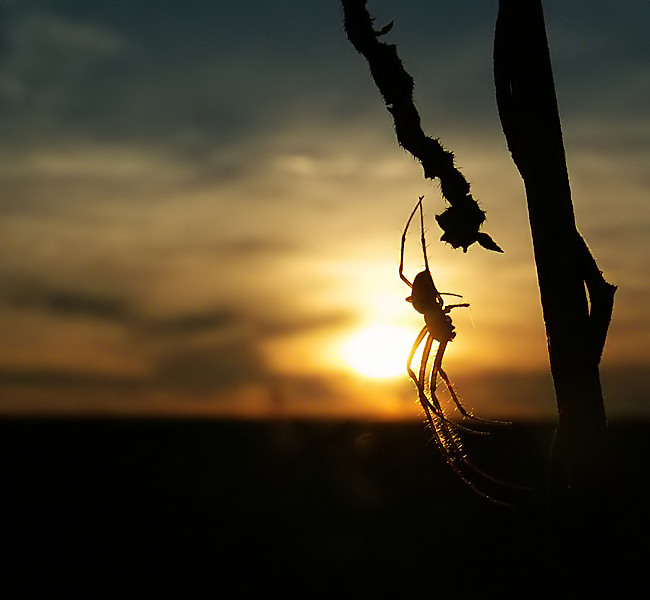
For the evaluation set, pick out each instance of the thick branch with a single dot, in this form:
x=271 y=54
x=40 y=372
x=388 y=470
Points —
x=576 y=328
x=535 y=141
x=462 y=220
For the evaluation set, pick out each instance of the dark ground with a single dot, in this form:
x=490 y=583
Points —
x=109 y=507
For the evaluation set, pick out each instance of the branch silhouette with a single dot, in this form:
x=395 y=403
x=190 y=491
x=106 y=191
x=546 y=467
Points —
x=461 y=222
x=576 y=325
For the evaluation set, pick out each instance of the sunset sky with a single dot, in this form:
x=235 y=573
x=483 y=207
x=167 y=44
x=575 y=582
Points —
x=202 y=205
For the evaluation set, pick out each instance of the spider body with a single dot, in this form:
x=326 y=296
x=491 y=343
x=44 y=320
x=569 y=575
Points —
x=426 y=299
x=438 y=326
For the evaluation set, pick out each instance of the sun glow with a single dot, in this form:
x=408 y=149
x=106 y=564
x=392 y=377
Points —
x=378 y=351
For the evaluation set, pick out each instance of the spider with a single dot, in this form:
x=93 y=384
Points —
x=427 y=300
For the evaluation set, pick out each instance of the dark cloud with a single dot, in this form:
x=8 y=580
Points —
x=292 y=324
x=216 y=72
x=48 y=63
x=217 y=350
x=40 y=296
x=258 y=247
x=70 y=379
x=232 y=319
x=198 y=351
x=212 y=367
x=189 y=324
x=85 y=305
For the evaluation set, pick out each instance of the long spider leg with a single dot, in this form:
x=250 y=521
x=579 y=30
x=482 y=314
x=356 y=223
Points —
x=479 y=491
x=454 y=459
x=429 y=404
x=445 y=429
x=409 y=360
x=433 y=384
x=426 y=403
x=419 y=381
x=422 y=237
x=426 y=352
x=403 y=244
x=441 y=428
x=461 y=408
x=429 y=409
x=443 y=433
x=437 y=368
x=493 y=479
x=463 y=411
x=432 y=400
x=453 y=454
x=437 y=364
x=440 y=371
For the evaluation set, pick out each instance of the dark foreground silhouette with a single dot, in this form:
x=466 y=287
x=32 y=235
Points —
x=110 y=507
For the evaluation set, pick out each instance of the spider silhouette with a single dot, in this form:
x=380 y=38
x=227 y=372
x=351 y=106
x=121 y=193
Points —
x=427 y=300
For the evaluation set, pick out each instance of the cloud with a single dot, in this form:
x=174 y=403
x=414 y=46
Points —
x=48 y=59
x=71 y=380
x=64 y=336
x=39 y=296
x=211 y=366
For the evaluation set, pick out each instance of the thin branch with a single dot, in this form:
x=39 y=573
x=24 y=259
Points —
x=601 y=299
x=462 y=220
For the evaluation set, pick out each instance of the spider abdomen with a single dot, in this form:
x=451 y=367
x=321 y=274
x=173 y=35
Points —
x=439 y=325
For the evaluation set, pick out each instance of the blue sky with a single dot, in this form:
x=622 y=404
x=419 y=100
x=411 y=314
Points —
x=202 y=201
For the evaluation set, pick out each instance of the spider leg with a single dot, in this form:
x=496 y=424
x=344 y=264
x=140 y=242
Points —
x=437 y=364
x=430 y=408
x=431 y=401
x=495 y=480
x=403 y=244
x=454 y=456
x=437 y=368
x=444 y=431
x=480 y=491
x=418 y=341
x=424 y=241
x=452 y=451
x=425 y=359
x=461 y=408
x=433 y=384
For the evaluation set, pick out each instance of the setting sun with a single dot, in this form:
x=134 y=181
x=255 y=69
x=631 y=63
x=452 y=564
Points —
x=378 y=351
